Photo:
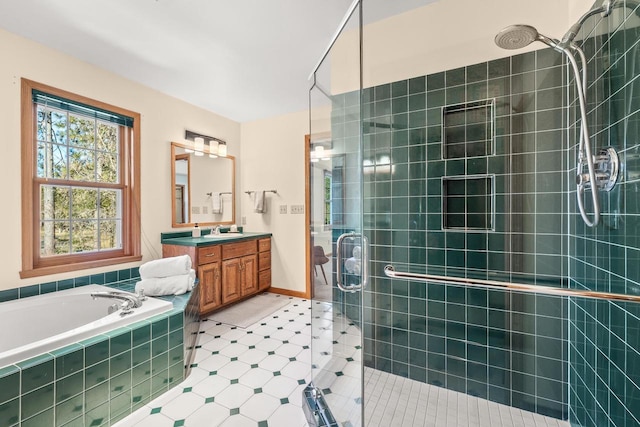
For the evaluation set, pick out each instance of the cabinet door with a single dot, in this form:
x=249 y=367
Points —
x=209 y=275
x=231 y=279
x=249 y=274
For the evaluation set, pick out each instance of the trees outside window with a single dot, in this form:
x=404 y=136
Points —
x=80 y=181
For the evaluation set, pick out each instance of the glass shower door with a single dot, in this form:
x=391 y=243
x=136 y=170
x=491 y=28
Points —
x=338 y=248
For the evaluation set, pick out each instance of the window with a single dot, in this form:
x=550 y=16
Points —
x=80 y=182
x=327 y=199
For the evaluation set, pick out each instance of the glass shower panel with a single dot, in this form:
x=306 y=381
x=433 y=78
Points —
x=466 y=177
x=338 y=247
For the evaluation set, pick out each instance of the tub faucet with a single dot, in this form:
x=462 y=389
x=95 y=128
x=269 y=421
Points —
x=129 y=301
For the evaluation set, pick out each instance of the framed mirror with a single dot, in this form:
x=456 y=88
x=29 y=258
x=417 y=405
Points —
x=202 y=188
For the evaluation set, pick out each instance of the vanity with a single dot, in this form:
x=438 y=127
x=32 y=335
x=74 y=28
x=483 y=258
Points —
x=230 y=267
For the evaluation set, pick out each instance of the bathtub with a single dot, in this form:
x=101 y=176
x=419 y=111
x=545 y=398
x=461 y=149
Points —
x=37 y=325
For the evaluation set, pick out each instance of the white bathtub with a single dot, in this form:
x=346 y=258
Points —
x=37 y=325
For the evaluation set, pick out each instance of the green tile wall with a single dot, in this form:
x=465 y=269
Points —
x=509 y=348
x=604 y=361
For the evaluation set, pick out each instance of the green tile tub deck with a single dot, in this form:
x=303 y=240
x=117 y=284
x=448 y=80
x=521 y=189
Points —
x=102 y=379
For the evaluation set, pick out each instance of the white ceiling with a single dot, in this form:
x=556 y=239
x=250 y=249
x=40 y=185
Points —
x=242 y=59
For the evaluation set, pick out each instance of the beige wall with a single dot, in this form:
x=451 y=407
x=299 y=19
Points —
x=443 y=35
x=163 y=119
x=273 y=159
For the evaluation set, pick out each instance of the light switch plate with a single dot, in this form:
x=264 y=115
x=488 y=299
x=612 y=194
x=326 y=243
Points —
x=205 y=209
x=297 y=209
x=195 y=210
x=283 y=209
x=244 y=220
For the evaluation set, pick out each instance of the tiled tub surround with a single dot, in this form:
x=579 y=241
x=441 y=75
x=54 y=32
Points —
x=99 y=380
x=40 y=327
x=506 y=347
x=604 y=357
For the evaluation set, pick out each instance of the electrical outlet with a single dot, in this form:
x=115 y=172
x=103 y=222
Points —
x=244 y=220
x=195 y=210
x=297 y=209
x=283 y=209
x=205 y=209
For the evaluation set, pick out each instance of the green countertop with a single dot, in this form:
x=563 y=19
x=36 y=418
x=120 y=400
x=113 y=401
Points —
x=185 y=239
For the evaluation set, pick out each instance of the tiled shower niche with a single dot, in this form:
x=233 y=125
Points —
x=467 y=203
x=467 y=129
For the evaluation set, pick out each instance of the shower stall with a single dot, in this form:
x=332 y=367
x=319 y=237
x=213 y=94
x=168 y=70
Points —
x=480 y=208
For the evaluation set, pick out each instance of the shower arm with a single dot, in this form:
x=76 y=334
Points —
x=584 y=146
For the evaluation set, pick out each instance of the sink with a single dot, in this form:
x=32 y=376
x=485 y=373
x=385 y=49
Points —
x=223 y=236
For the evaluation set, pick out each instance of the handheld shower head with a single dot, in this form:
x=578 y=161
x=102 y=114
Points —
x=519 y=36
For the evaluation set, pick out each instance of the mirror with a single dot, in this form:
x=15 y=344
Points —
x=202 y=188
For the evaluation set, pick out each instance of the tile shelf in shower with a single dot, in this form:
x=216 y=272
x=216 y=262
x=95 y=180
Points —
x=468 y=129
x=468 y=203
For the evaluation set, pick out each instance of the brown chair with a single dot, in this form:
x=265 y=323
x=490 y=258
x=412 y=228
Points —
x=319 y=258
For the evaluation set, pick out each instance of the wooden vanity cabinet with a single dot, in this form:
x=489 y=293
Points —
x=228 y=272
x=239 y=270
x=264 y=263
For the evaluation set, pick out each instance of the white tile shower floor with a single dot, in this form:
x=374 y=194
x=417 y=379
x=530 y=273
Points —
x=255 y=377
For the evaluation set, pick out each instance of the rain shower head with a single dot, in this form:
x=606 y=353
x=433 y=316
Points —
x=519 y=36
x=516 y=36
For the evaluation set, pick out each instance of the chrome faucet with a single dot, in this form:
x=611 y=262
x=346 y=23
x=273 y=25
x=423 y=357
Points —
x=129 y=301
x=216 y=230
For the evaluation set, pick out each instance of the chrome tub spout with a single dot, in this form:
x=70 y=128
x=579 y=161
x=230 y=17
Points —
x=129 y=301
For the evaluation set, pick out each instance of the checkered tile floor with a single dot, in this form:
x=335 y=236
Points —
x=241 y=377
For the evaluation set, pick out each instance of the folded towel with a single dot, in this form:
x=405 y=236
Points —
x=172 y=285
x=258 y=201
x=165 y=267
x=353 y=265
x=216 y=203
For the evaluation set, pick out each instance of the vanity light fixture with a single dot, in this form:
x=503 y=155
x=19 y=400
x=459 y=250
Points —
x=319 y=153
x=198 y=145
x=222 y=149
x=213 y=148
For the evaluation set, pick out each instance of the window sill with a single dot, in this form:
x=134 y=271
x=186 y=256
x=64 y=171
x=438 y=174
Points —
x=45 y=271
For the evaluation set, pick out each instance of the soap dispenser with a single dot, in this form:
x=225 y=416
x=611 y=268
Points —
x=196 y=231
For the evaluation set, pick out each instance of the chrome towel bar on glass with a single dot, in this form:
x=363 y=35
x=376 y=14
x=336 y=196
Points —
x=390 y=271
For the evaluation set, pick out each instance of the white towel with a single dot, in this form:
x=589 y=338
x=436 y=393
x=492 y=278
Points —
x=216 y=203
x=353 y=265
x=172 y=285
x=258 y=201
x=165 y=267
